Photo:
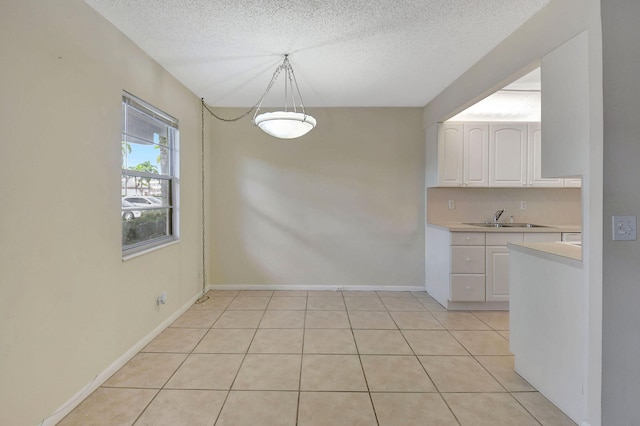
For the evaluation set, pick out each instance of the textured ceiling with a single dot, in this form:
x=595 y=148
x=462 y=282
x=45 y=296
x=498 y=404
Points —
x=343 y=52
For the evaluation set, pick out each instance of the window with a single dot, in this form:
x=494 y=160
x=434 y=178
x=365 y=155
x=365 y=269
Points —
x=149 y=176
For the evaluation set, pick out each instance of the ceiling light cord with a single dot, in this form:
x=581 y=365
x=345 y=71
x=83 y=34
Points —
x=257 y=105
x=202 y=206
x=228 y=120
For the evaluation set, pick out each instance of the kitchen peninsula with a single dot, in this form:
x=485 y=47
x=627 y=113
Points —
x=547 y=322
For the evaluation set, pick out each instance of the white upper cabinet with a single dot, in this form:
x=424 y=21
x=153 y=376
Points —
x=534 y=165
x=450 y=152
x=476 y=154
x=507 y=155
x=463 y=154
x=493 y=155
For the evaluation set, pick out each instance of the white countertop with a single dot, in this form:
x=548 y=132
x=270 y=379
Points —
x=569 y=251
x=462 y=227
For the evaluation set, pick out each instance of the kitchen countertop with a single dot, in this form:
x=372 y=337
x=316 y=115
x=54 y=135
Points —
x=569 y=251
x=462 y=227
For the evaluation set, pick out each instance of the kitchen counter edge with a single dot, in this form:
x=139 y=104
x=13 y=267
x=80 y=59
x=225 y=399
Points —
x=565 y=253
x=461 y=227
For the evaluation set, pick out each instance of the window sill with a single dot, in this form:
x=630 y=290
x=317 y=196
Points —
x=149 y=250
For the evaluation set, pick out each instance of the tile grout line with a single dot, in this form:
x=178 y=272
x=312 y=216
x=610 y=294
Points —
x=304 y=324
x=364 y=375
x=174 y=372
x=244 y=356
x=428 y=375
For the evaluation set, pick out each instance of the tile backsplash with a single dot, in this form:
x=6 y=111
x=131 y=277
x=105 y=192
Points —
x=547 y=206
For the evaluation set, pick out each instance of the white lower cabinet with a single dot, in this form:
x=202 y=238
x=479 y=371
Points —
x=466 y=280
x=467 y=260
x=497 y=280
x=497 y=265
x=467 y=288
x=497 y=258
x=470 y=270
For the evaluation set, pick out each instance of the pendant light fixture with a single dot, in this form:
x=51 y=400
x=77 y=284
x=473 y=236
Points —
x=289 y=123
x=293 y=121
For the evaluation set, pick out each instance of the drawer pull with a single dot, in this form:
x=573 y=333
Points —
x=467 y=238
x=468 y=259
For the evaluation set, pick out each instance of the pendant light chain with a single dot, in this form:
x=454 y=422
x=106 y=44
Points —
x=279 y=124
x=202 y=199
x=258 y=104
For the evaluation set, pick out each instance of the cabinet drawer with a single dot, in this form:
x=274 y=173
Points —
x=503 y=238
x=467 y=238
x=467 y=260
x=467 y=288
x=542 y=237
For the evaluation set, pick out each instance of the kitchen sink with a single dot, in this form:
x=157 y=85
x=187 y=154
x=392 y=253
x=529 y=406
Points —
x=506 y=225
x=524 y=225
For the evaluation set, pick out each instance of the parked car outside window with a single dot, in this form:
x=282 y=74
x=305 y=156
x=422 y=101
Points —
x=129 y=214
x=143 y=200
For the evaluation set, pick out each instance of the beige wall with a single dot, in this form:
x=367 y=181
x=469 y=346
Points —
x=546 y=206
x=342 y=206
x=69 y=305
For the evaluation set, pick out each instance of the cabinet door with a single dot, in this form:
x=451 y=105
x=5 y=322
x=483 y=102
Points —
x=534 y=166
x=508 y=155
x=497 y=273
x=542 y=237
x=476 y=154
x=450 y=152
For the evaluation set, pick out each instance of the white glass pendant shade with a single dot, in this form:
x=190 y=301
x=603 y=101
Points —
x=285 y=124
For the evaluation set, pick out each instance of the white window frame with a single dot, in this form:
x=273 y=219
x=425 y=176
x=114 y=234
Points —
x=173 y=179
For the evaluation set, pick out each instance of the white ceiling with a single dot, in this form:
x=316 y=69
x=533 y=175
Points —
x=519 y=101
x=343 y=52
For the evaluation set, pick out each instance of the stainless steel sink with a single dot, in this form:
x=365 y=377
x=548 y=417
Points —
x=523 y=225
x=507 y=225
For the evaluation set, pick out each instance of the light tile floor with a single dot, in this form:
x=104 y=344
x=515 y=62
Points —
x=322 y=358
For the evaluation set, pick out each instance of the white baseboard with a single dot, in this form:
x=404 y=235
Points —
x=102 y=377
x=316 y=287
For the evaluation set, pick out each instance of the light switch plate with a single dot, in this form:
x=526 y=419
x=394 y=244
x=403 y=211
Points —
x=624 y=228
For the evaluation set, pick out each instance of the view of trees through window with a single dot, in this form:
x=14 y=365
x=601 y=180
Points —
x=149 y=175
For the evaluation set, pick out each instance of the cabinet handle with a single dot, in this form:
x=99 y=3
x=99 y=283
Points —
x=468 y=259
x=467 y=238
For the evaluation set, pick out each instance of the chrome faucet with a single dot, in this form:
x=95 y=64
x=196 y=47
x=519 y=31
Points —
x=497 y=215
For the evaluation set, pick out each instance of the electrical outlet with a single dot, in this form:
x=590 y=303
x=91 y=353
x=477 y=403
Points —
x=452 y=205
x=523 y=205
x=624 y=228
x=162 y=299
